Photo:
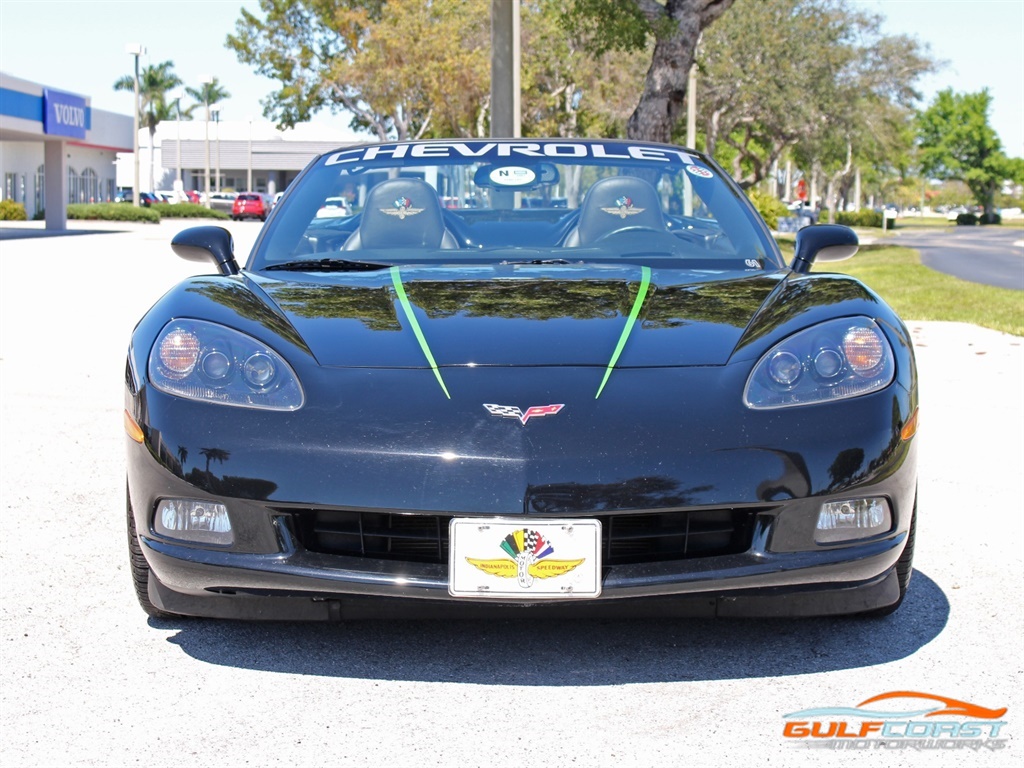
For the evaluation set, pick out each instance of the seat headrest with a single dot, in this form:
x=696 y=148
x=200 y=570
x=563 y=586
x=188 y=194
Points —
x=616 y=203
x=401 y=213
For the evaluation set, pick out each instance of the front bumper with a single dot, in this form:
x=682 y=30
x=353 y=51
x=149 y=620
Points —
x=298 y=584
x=780 y=465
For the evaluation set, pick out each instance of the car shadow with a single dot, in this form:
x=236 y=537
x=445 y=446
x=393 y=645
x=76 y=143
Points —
x=571 y=653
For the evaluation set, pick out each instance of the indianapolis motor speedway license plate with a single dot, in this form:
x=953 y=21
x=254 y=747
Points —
x=526 y=559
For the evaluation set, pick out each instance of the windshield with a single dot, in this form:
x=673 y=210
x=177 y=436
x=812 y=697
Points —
x=520 y=201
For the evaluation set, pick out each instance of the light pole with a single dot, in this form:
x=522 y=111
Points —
x=215 y=109
x=180 y=183
x=248 y=180
x=136 y=50
x=206 y=81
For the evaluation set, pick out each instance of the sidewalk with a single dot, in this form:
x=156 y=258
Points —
x=244 y=233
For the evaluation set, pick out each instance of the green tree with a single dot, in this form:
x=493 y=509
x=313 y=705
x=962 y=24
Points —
x=407 y=69
x=566 y=91
x=155 y=83
x=404 y=68
x=957 y=142
x=207 y=94
x=672 y=28
x=808 y=78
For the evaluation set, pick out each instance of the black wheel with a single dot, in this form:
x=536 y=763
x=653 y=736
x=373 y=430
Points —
x=904 y=569
x=140 y=570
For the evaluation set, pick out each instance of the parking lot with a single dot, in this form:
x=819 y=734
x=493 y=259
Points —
x=87 y=680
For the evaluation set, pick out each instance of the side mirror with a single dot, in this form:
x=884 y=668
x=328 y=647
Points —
x=207 y=244
x=823 y=242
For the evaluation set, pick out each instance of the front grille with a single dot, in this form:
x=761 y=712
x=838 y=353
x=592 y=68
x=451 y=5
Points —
x=628 y=538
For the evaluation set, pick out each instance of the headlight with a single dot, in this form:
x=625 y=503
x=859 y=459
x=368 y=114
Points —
x=831 y=361
x=209 y=362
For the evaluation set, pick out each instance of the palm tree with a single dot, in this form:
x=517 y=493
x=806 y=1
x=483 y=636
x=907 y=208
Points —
x=155 y=82
x=214 y=454
x=211 y=93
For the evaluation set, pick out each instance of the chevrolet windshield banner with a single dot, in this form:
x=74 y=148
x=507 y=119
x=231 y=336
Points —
x=503 y=151
x=64 y=114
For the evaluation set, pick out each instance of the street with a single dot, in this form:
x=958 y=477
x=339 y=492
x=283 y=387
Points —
x=988 y=255
x=87 y=680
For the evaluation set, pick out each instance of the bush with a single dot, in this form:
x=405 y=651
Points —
x=770 y=207
x=990 y=218
x=862 y=218
x=967 y=219
x=186 y=211
x=112 y=212
x=12 y=211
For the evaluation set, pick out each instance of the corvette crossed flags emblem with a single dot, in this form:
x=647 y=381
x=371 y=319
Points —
x=513 y=412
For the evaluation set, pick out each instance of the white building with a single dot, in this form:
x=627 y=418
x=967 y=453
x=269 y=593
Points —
x=241 y=155
x=56 y=149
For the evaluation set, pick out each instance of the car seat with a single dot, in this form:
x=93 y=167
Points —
x=616 y=204
x=401 y=213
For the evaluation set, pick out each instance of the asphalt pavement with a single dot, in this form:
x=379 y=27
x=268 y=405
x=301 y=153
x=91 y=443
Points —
x=982 y=254
x=87 y=680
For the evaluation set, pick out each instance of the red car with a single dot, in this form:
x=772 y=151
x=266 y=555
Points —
x=251 y=205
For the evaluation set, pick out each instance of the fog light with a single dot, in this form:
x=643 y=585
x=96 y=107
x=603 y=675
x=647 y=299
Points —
x=853 y=519
x=203 y=522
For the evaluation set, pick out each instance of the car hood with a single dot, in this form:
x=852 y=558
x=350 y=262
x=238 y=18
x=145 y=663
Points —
x=511 y=315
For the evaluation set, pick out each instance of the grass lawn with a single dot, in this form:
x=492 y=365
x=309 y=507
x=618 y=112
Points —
x=919 y=293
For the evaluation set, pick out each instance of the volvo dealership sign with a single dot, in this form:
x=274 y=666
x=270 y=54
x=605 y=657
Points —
x=64 y=114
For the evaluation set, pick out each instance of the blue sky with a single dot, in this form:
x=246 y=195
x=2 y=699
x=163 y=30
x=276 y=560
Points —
x=78 y=46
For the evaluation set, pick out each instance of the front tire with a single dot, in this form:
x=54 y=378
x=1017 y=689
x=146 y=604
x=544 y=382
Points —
x=904 y=570
x=140 y=570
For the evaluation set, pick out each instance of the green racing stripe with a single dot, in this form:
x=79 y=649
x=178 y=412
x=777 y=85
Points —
x=403 y=299
x=645 y=283
x=407 y=308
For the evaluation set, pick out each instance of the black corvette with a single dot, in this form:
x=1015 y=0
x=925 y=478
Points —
x=574 y=377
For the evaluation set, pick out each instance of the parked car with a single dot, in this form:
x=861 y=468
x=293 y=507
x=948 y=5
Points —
x=605 y=408
x=251 y=205
x=334 y=207
x=145 y=198
x=222 y=201
x=803 y=210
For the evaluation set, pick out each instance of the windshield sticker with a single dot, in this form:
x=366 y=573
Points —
x=625 y=208
x=493 y=151
x=403 y=207
x=703 y=173
x=512 y=176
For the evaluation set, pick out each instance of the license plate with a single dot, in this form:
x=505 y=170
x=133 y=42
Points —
x=525 y=559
